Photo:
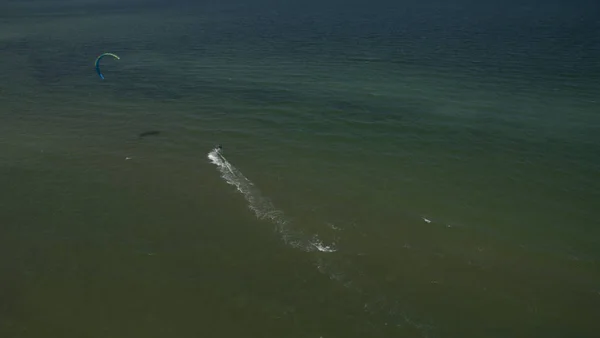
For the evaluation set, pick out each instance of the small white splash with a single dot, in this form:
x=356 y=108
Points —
x=128 y=158
x=318 y=244
x=333 y=227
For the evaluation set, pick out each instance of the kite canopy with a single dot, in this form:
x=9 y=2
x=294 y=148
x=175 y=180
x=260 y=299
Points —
x=97 y=63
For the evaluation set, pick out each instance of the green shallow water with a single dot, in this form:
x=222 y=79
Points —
x=456 y=183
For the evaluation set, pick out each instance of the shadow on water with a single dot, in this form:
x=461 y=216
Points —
x=149 y=133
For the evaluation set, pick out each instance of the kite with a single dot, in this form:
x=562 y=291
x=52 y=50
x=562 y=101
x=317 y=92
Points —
x=97 y=63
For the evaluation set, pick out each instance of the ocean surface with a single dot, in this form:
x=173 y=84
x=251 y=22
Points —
x=387 y=169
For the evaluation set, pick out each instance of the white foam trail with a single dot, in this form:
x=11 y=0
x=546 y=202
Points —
x=332 y=266
x=263 y=208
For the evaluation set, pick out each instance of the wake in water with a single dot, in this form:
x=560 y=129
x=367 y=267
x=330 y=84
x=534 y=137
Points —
x=334 y=267
x=264 y=209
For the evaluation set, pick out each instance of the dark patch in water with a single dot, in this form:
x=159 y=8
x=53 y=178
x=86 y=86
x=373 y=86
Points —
x=149 y=133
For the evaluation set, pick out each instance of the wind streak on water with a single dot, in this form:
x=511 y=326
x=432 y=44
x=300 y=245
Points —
x=263 y=208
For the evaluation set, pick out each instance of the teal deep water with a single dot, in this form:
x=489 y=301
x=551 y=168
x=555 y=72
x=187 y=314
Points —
x=399 y=169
